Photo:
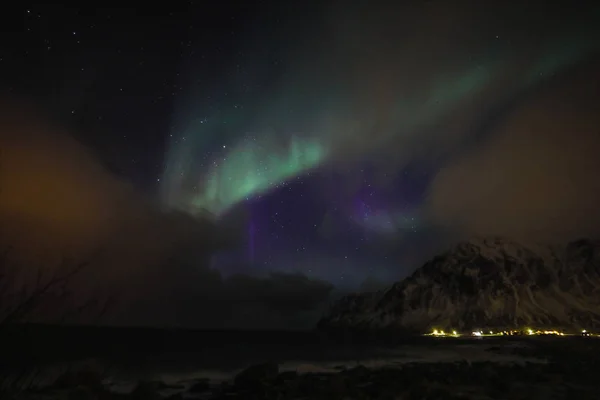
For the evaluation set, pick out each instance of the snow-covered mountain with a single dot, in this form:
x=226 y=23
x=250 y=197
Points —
x=485 y=283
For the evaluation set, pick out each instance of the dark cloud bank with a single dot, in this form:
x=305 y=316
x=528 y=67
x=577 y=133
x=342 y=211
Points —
x=534 y=176
x=57 y=200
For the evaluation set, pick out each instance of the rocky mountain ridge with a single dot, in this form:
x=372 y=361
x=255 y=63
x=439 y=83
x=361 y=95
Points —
x=485 y=283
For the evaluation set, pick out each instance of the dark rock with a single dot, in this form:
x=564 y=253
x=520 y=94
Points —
x=338 y=387
x=87 y=378
x=201 y=386
x=358 y=371
x=417 y=392
x=287 y=376
x=145 y=391
x=439 y=381
x=81 y=393
x=166 y=386
x=256 y=375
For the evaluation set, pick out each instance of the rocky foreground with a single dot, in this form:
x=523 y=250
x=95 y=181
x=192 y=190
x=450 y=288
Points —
x=568 y=371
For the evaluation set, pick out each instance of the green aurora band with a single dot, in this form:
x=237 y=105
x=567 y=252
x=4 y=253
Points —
x=325 y=128
x=251 y=169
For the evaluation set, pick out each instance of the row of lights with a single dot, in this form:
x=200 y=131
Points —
x=528 y=331
x=435 y=332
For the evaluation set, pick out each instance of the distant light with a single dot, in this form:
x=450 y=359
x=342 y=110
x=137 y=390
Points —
x=436 y=332
x=486 y=333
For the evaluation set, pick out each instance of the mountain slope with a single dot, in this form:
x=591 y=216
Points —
x=485 y=283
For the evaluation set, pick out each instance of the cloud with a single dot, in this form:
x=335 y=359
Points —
x=55 y=195
x=409 y=79
x=57 y=200
x=277 y=301
x=366 y=82
x=536 y=174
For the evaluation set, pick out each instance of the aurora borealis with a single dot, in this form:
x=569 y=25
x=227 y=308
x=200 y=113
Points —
x=253 y=158
x=236 y=154
x=250 y=168
x=321 y=122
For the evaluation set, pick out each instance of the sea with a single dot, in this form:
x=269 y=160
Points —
x=176 y=356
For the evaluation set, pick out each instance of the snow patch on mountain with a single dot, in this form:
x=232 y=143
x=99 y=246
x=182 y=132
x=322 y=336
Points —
x=486 y=282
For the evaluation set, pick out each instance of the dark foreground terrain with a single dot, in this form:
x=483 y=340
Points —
x=424 y=368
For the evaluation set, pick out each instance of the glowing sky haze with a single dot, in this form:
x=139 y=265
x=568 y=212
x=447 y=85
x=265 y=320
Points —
x=320 y=145
x=222 y=160
x=249 y=162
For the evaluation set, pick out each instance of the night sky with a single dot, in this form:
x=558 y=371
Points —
x=348 y=143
